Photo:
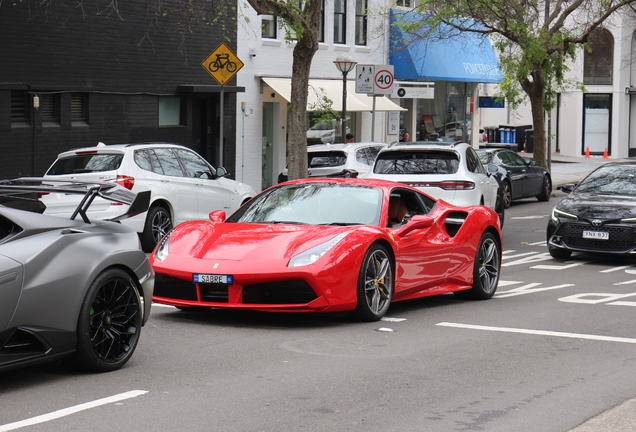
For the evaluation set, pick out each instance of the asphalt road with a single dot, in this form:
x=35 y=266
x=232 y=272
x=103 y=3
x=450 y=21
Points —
x=555 y=347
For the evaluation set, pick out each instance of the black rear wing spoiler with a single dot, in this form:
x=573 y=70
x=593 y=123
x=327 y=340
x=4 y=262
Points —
x=23 y=188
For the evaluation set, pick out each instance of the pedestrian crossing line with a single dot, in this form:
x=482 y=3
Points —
x=540 y=332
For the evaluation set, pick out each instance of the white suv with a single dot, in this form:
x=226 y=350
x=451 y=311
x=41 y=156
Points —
x=448 y=171
x=340 y=160
x=183 y=185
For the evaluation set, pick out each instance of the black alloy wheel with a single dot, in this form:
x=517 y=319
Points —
x=109 y=322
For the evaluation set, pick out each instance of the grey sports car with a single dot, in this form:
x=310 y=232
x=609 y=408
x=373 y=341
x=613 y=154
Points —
x=71 y=286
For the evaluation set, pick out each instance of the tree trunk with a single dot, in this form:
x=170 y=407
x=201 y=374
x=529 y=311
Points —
x=535 y=89
x=297 y=117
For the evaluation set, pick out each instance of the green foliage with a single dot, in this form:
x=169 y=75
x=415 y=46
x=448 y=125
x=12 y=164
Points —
x=322 y=111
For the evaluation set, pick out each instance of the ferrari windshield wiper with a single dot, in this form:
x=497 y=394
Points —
x=286 y=222
x=341 y=223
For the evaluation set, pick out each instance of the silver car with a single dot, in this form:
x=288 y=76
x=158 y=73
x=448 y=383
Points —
x=71 y=287
x=183 y=185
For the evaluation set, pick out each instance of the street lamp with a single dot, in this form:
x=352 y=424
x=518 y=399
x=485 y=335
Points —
x=345 y=63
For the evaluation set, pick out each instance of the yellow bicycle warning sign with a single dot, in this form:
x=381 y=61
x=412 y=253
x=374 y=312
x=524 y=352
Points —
x=222 y=64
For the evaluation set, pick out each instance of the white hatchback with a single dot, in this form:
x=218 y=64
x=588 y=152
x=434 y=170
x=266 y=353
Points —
x=448 y=171
x=183 y=185
x=340 y=160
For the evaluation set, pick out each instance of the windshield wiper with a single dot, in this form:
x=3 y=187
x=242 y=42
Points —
x=341 y=223
x=286 y=222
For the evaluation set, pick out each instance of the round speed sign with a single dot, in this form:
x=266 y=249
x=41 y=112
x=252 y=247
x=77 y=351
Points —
x=383 y=81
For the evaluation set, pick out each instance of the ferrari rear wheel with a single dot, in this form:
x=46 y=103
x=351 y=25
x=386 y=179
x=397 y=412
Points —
x=486 y=270
x=109 y=322
x=375 y=284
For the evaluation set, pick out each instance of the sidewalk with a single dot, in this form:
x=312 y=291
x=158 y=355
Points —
x=567 y=169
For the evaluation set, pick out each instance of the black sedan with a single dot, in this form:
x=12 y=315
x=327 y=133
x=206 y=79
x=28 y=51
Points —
x=598 y=215
x=517 y=178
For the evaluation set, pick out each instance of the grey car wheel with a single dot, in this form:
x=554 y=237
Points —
x=485 y=271
x=375 y=284
x=546 y=189
x=109 y=323
x=506 y=194
x=158 y=224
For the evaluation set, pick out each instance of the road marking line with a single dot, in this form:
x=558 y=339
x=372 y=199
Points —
x=529 y=217
x=72 y=410
x=614 y=269
x=503 y=283
x=388 y=319
x=629 y=282
x=162 y=305
x=540 y=332
x=518 y=255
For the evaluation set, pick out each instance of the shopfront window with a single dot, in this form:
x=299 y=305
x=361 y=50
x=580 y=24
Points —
x=329 y=131
x=445 y=116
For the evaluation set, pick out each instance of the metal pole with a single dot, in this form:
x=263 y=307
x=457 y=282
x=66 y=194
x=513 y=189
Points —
x=373 y=121
x=344 y=108
x=221 y=128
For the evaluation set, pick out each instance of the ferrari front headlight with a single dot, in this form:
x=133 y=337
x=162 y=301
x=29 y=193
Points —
x=312 y=255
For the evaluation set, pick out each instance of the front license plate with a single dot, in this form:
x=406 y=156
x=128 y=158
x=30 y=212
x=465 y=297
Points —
x=597 y=235
x=212 y=278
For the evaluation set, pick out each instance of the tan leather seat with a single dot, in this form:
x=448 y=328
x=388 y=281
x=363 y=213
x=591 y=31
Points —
x=397 y=210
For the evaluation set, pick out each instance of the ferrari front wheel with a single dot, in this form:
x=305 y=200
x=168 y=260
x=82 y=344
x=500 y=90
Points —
x=485 y=269
x=109 y=322
x=375 y=284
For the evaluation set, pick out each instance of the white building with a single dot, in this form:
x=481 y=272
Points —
x=602 y=119
x=266 y=76
x=439 y=86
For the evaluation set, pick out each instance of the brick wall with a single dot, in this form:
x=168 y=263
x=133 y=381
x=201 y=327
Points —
x=122 y=65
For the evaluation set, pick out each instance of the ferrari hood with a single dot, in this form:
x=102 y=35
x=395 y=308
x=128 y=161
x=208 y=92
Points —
x=599 y=206
x=241 y=241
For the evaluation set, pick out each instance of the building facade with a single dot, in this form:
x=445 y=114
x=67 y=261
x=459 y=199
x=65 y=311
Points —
x=73 y=77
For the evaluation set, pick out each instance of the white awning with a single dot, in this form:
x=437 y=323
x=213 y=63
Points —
x=332 y=89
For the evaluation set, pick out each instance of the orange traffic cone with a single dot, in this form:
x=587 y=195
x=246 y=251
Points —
x=587 y=152
x=605 y=154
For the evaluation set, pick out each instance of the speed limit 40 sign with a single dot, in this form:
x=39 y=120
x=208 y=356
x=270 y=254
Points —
x=383 y=80
x=374 y=79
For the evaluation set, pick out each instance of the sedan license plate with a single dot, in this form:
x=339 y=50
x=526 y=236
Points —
x=596 y=235
x=212 y=278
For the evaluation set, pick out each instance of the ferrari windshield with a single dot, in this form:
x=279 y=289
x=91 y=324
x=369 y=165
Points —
x=615 y=179
x=314 y=204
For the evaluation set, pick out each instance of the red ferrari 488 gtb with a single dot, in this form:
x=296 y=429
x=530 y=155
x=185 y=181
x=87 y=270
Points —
x=328 y=245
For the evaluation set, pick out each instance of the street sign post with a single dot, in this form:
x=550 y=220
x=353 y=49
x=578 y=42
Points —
x=374 y=80
x=222 y=64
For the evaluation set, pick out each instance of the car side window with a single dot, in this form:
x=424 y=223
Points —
x=195 y=166
x=473 y=162
x=404 y=204
x=362 y=156
x=168 y=162
x=516 y=159
x=142 y=160
x=373 y=153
